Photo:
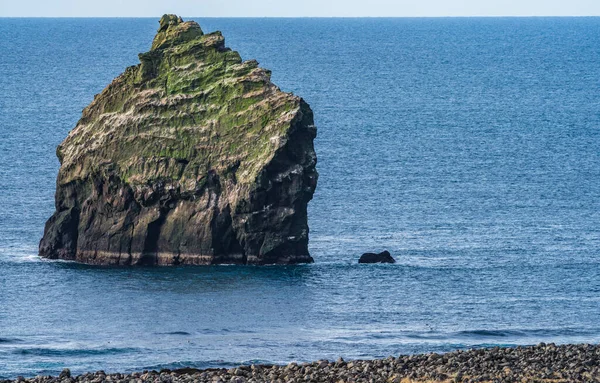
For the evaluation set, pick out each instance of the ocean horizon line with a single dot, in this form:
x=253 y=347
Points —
x=319 y=17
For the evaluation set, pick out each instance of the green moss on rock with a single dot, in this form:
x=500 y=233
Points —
x=182 y=140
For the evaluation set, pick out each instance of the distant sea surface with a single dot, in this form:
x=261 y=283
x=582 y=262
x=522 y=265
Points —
x=469 y=148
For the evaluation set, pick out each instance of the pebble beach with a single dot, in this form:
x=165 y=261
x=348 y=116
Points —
x=541 y=363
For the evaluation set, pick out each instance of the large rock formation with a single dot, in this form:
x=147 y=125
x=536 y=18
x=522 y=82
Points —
x=191 y=157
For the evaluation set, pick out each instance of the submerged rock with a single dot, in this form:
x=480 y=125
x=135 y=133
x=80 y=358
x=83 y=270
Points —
x=191 y=157
x=384 y=257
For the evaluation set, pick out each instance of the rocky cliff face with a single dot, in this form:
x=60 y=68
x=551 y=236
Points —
x=191 y=157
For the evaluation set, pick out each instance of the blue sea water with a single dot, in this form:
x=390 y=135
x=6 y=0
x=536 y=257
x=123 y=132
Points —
x=469 y=148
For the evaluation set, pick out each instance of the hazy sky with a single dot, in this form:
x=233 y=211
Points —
x=298 y=8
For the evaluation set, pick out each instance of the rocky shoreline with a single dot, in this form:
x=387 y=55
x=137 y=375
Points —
x=541 y=363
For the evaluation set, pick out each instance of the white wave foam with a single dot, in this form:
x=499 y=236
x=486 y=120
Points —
x=19 y=254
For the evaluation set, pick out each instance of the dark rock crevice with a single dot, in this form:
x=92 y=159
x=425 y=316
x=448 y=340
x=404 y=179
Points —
x=150 y=251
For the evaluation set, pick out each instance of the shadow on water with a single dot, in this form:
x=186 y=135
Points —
x=228 y=276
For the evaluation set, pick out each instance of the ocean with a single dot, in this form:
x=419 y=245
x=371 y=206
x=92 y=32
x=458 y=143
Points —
x=467 y=147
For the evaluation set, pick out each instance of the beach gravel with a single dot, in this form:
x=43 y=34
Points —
x=541 y=363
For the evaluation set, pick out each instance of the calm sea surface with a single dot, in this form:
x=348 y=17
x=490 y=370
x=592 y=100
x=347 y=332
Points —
x=469 y=148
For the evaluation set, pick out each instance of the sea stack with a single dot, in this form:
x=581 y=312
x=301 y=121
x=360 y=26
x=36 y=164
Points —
x=192 y=157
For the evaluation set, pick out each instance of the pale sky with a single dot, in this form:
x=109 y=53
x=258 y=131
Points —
x=297 y=8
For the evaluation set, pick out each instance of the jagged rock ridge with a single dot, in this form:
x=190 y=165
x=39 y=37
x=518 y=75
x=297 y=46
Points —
x=190 y=157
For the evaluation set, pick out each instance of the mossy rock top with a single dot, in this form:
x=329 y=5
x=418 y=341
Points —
x=191 y=107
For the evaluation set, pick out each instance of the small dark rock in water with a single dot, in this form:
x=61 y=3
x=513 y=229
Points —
x=384 y=257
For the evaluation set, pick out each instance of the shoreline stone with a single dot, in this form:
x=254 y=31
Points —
x=541 y=363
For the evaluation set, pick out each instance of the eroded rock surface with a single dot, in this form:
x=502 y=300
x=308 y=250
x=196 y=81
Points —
x=191 y=157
